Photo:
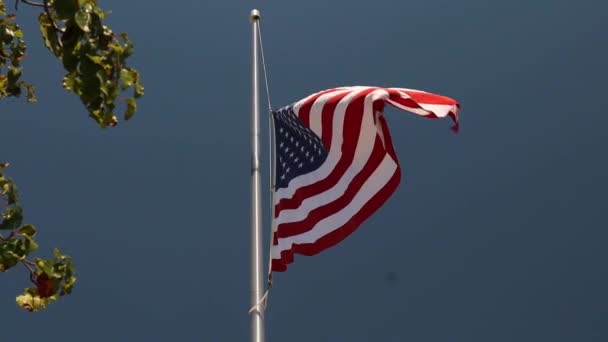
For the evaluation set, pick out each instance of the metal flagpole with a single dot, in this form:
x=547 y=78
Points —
x=257 y=270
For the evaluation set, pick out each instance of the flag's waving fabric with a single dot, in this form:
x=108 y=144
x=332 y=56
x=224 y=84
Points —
x=335 y=164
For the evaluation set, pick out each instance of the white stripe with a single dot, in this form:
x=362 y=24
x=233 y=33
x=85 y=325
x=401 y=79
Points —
x=333 y=156
x=440 y=110
x=437 y=109
x=372 y=186
x=316 y=111
x=363 y=151
x=419 y=111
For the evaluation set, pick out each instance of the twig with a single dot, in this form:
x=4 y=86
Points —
x=26 y=263
x=28 y=2
x=44 y=5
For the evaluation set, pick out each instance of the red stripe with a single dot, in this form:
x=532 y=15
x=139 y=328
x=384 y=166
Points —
x=331 y=239
x=315 y=216
x=351 y=129
x=327 y=120
x=454 y=117
x=422 y=97
x=304 y=111
x=407 y=102
x=388 y=140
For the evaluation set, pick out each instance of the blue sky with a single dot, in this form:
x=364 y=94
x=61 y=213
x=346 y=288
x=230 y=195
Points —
x=495 y=234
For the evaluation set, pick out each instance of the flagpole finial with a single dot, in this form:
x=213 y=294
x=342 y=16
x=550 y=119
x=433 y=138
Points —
x=255 y=15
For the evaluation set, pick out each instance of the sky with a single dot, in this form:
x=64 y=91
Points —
x=497 y=233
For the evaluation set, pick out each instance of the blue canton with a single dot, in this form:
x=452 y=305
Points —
x=298 y=149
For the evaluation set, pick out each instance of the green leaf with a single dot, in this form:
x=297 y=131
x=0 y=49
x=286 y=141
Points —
x=18 y=33
x=65 y=9
x=12 y=218
x=131 y=108
x=128 y=51
x=44 y=266
x=83 y=20
x=31 y=246
x=69 y=82
x=27 y=230
x=49 y=35
x=126 y=77
x=139 y=90
x=9 y=254
x=99 y=60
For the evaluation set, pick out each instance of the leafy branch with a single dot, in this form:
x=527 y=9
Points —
x=95 y=61
x=51 y=278
x=94 y=58
x=12 y=52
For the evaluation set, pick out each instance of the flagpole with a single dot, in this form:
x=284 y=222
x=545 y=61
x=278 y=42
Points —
x=257 y=270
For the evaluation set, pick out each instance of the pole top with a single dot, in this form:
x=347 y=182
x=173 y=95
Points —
x=255 y=15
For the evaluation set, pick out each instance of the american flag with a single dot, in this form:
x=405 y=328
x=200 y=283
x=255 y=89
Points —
x=335 y=164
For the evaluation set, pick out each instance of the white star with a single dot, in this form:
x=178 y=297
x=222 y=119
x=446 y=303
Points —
x=312 y=159
x=288 y=170
x=300 y=165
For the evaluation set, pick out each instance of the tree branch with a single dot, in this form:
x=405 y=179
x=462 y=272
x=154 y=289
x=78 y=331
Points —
x=28 y=2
